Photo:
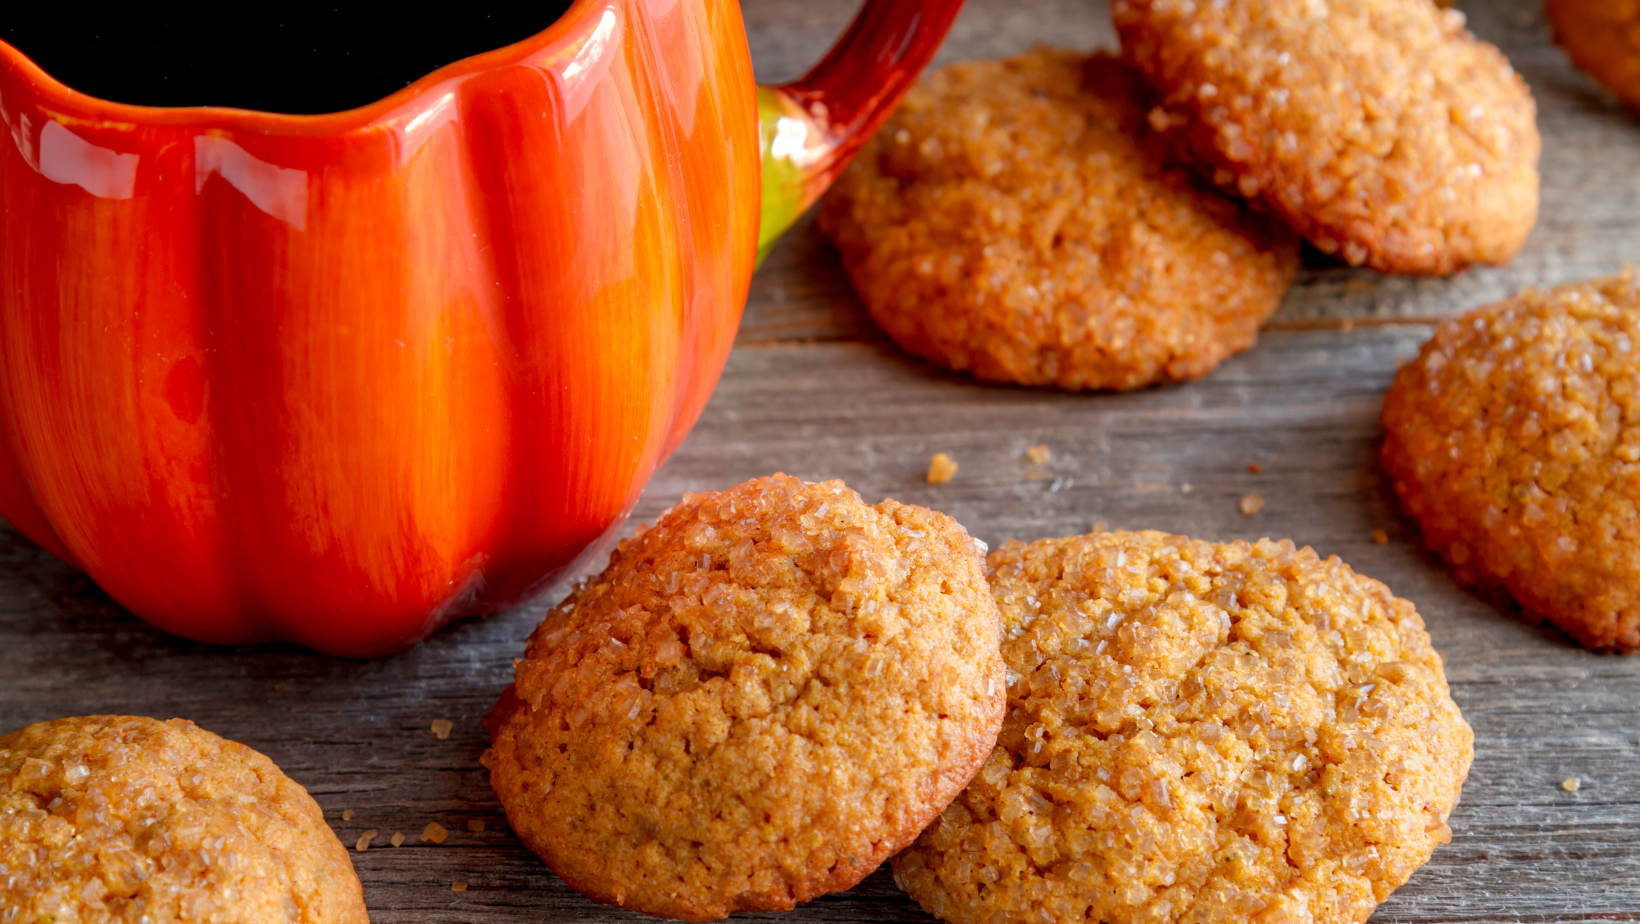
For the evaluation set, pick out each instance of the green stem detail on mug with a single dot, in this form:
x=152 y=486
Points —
x=791 y=145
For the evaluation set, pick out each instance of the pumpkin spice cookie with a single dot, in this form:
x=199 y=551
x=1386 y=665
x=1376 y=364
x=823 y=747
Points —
x=115 y=818
x=1514 y=440
x=1602 y=37
x=762 y=697
x=1017 y=219
x=1197 y=732
x=1380 y=129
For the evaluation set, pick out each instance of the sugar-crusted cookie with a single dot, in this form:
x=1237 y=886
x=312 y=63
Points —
x=1380 y=129
x=1197 y=732
x=1602 y=37
x=762 y=697
x=1514 y=440
x=130 y=819
x=1017 y=219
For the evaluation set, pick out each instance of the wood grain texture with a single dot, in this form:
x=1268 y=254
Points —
x=814 y=390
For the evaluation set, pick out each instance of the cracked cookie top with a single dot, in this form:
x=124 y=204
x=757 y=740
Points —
x=762 y=697
x=1197 y=732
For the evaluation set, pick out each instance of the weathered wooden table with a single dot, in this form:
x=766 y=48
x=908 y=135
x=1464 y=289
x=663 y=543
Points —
x=813 y=389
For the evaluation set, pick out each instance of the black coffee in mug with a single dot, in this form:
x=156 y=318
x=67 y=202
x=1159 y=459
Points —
x=293 y=57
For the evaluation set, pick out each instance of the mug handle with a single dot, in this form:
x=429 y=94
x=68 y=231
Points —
x=813 y=126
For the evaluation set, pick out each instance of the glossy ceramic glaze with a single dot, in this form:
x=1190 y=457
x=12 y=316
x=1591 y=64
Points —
x=339 y=379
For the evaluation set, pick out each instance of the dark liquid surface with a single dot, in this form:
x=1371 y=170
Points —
x=294 y=57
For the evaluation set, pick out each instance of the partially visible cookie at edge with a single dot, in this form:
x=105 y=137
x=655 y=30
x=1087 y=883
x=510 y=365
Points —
x=1381 y=129
x=1514 y=441
x=762 y=697
x=125 y=818
x=1602 y=37
x=1017 y=219
x=1197 y=732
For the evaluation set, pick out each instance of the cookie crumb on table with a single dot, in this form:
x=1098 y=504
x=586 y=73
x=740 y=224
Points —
x=1251 y=504
x=1571 y=784
x=1039 y=454
x=941 y=468
x=475 y=824
x=458 y=886
x=397 y=840
x=435 y=832
x=364 y=840
x=441 y=728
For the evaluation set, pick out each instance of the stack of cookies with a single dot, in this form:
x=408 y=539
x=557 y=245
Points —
x=1089 y=222
x=777 y=687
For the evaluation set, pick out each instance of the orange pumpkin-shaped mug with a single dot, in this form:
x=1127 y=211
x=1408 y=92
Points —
x=339 y=379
